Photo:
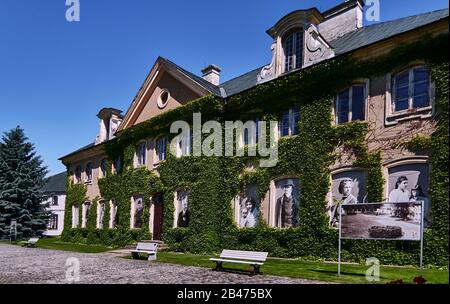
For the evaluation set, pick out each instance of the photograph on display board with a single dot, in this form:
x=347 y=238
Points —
x=390 y=221
x=138 y=211
x=249 y=206
x=183 y=207
x=287 y=203
x=410 y=183
x=347 y=188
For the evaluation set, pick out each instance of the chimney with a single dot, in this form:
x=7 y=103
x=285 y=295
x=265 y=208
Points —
x=212 y=74
x=342 y=19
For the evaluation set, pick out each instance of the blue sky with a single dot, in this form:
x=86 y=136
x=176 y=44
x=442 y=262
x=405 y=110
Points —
x=55 y=76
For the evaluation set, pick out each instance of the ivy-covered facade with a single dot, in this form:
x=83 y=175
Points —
x=128 y=187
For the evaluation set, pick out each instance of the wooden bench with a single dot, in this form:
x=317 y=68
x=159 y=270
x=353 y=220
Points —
x=253 y=258
x=147 y=248
x=32 y=242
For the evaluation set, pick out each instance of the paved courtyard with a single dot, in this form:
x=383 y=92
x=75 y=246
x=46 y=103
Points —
x=34 y=265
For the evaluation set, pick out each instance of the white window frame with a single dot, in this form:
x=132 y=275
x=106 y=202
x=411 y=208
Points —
x=156 y=155
x=302 y=55
x=184 y=144
x=291 y=124
x=75 y=216
x=138 y=158
x=363 y=83
x=392 y=117
x=84 y=218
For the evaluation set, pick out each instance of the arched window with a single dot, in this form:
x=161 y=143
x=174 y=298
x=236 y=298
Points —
x=351 y=104
x=89 y=172
x=103 y=167
x=86 y=212
x=118 y=164
x=78 y=174
x=75 y=216
x=292 y=46
x=411 y=89
x=100 y=213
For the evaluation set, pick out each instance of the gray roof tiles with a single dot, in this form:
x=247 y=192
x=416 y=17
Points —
x=56 y=183
x=380 y=31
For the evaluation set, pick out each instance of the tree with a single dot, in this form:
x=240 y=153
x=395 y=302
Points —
x=22 y=176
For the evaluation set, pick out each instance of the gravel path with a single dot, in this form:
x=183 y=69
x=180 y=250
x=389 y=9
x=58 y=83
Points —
x=34 y=265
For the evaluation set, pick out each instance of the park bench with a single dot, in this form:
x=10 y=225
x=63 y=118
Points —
x=147 y=248
x=253 y=258
x=31 y=242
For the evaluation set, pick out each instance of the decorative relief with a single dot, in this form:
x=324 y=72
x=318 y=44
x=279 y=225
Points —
x=268 y=72
x=316 y=48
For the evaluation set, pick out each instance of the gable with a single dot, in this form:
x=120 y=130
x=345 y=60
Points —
x=179 y=94
x=164 y=75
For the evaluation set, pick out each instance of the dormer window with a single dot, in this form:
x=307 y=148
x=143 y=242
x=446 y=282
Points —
x=292 y=46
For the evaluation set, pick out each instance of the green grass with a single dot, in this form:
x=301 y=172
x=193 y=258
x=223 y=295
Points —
x=321 y=271
x=55 y=243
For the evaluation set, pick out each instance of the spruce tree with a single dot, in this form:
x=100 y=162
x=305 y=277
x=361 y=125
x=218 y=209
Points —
x=22 y=176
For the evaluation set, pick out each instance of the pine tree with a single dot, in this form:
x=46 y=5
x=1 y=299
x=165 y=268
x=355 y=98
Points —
x=22 y=176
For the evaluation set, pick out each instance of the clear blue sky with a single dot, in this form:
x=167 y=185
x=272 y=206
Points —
x=55 y=76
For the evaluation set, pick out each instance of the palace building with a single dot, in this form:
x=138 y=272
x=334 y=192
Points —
x=362 y=116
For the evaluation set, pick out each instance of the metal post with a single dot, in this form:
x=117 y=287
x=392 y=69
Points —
x=339 y=254
x=421 y=238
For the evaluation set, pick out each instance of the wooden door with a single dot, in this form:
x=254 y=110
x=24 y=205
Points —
x=157 y=216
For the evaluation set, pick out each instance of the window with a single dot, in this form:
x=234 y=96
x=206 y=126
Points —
x=292 y=46
x=54 y=200
x=184 y=143
x=411 y=90
x=89 y=172
x=53 y=222
x=113 y=214
x=100 y=213
x=289 y=122
x=78 y=174
x=75 y=216
x=86 y=212
x=161 y=149
x=141 y=154
x=103 y=167
x=351 y=104
x=163 y=98
x=118 y=164
x=251 y=134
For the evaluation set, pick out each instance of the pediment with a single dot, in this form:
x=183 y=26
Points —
x=163 y=77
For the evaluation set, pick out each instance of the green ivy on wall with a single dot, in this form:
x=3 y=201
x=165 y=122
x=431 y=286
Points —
x=213 y=182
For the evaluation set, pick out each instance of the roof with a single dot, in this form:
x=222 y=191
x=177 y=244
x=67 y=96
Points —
x=352 y=41
x=79 y=150
x=374 y=33
x=199 y=80
x=241 y=83
x=56 y=183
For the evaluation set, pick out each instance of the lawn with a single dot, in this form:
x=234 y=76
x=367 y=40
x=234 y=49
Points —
x=55 y=243
x=322 y=271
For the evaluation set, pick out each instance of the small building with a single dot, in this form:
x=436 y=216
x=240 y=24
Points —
x=55 y=190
